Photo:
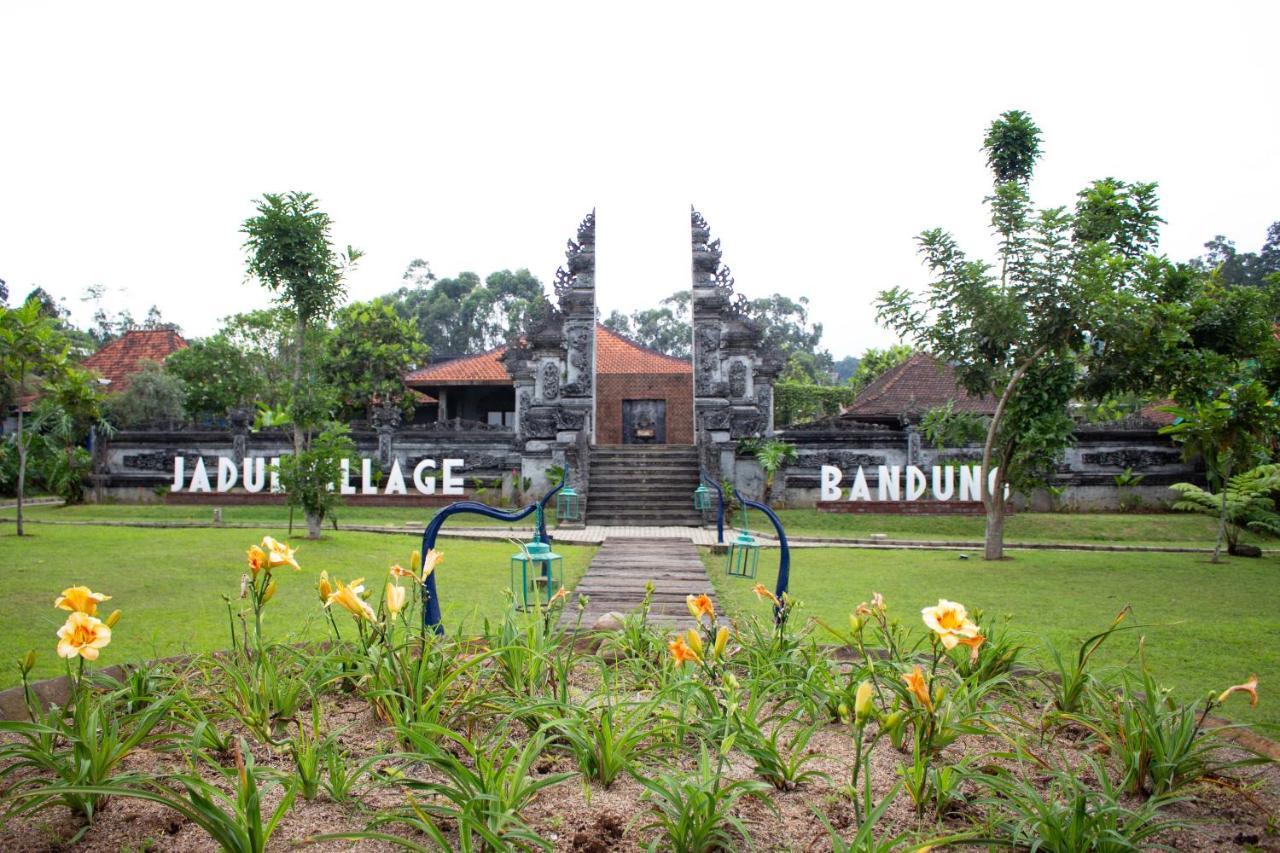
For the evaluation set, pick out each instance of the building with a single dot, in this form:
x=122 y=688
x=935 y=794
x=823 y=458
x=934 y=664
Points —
x=642 y=396
x=903 y=394
x=116 y=362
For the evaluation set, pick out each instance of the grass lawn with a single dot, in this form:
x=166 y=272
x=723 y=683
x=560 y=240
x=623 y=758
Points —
x=1207 y=627
x=261 y=514
x=1173 y=528
x=169 y=585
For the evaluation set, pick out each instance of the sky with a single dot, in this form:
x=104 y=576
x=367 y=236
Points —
x=817 y=139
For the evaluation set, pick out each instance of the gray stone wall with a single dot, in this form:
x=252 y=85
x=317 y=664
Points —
x=1087 y=471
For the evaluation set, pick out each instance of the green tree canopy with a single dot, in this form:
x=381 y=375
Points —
x=154 y=397
x=1024 y=330
x=463 y=315
x=368 y=352
x=218 y=376
x=875 y=362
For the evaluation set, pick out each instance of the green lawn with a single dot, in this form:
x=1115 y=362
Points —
x=1206 y=626
x=262 y=514
x=169 y=585
x=1174 y=528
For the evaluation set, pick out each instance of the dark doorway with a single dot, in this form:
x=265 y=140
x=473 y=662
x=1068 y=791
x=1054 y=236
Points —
x=644 y=421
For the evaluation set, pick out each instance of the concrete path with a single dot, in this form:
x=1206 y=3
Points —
x=616 y=578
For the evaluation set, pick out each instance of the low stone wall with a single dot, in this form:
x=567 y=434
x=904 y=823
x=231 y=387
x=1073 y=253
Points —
x=1087 y=473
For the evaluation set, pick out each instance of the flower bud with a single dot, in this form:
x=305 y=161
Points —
x=855 y=623
x=27 y=661
x=244 y=585
x=325 y=588
x=415 y=562
x=271 y=590
x=864 y=701
x=695 y=641
x=843 y=711
x=731 y=681
x=722 y=640
x=111 y=620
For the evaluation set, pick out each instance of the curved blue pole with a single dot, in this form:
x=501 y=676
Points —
x=784 y=550
x=431 y=610
x=720 y=508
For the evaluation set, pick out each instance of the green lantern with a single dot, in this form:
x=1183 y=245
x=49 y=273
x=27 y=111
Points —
x=744 y=556
x=568 y=507
x=702 y=498
x=540 y=572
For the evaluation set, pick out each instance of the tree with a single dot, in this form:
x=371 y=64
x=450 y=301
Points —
x=1247 y=268
x=308 y=477
x=367 y=354
x=1024 y=331
x=154 y=397
x=70 y=406
x=463 y=315
x=875 y=362
x=31 y=353
x=667 y=328
x=1229 y=432
x=785 y=327
x=1244 y=502
x=845 y=369
x=218 y=376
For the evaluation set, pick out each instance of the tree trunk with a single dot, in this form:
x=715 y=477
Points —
x=22 y=468
x=314 y=523
x=994 y=549
x=994 y=504
x=1222 y=515
x=300 y=330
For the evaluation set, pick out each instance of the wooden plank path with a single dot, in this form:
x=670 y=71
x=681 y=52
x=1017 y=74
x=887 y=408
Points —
x=616 y=578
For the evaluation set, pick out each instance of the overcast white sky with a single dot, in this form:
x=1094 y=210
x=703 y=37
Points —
x=817 y=139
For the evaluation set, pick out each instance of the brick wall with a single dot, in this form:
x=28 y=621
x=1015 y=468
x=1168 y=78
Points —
x=613 y=388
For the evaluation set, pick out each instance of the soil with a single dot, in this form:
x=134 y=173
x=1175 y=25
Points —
x=1236 y=812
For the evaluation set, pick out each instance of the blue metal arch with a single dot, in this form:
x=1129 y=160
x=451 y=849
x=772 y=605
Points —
x=431 y=607
x=720 y=505
x=784 y=550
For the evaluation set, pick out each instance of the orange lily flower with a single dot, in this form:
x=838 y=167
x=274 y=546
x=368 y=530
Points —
x=762 y=592
x=79 y=599
x=257 y=559
x=919 y=689
x=560 y=595
x=348 y=597
x=700 y=606
x=324 y=587
x=433 y=559
x=1250 y=687
x=681 y=653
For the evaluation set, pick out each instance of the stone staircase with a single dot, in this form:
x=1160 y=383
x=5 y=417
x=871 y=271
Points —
x=643 y=485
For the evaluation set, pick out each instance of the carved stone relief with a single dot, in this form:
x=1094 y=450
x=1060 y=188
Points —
x=550 y=380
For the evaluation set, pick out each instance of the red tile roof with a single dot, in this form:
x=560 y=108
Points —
x=614 y=354
x=919 y=384
x=119 y=360
x=483 y=369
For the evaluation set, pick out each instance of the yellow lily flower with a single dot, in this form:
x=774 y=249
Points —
x=348 y=597
x=79 y=599
x=279 y=554
x=701 y=605
x=324 y=588
x=433 y=559
x=919 y=689
x=82 y=635
x=257 y=559
x=1250 y=687
x=950 y=622
x=395 y=599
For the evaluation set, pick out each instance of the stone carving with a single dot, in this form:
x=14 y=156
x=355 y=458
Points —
x=717 y=419
x=162 y=461
x=764 y=398
x=738 y=380
x=550 y=380
x=746 y=424
x=569 y=419
x=1137 y=459
x=387 y=416
x=580 y=261
x=846 y=460
x=578 y=342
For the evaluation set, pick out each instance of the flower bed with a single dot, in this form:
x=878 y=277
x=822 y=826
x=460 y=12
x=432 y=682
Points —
x=772 y=731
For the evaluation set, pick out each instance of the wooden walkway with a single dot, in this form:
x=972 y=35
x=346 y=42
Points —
x=616 y=579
